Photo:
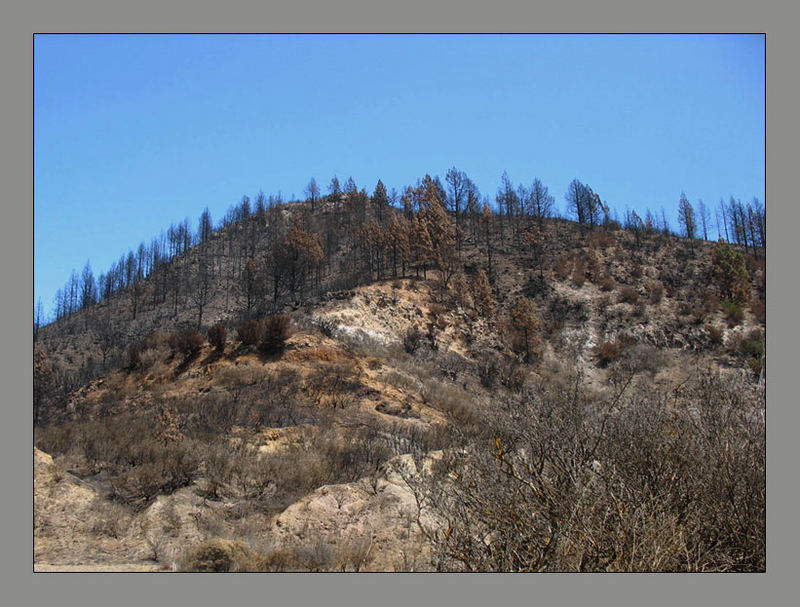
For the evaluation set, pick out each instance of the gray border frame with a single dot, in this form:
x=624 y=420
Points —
x=20 y=22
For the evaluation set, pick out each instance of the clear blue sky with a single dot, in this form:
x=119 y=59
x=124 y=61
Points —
x=133 y=133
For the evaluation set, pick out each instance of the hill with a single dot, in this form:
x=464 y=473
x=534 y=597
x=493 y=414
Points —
x=436 y=392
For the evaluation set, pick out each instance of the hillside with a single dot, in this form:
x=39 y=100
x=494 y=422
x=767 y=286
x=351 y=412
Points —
x=509 y=395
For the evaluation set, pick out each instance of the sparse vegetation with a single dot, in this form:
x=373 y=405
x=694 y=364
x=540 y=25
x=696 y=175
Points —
x=553 y=425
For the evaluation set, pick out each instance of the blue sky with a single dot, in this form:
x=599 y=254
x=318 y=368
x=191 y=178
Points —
x=133 y=133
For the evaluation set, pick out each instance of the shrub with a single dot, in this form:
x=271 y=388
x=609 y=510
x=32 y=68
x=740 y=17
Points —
x=482 y=295
x=733 y=312
x=436 y=310
x=412 y=340
x=135 y=356
x=579 y=273
x=187 y=341
x=221 y=556
x=250 y=332
x=640 y=487
x=217 y=335
x=759 y=310
x=143 y=354
x=642 y=358
x=488 y=371
x=730 y=273
x=327 y=326
x=561 y=309
x=601 y=238
x=524 y=324
x=699 y=313
x=608 y=352
x=564 y=267
x=607 y=284
x=756 y=365
x=715 y=334
x=685 y=308
x=753 y=345
x=628 y=295
x=656 y=292
x=276 y=332
x=163 y=469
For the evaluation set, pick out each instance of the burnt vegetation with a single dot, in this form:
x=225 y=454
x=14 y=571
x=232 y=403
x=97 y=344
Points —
x=595 y=384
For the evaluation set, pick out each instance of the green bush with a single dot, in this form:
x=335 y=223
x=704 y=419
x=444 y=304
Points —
x=753 y=346
x=730 y=273
x=733 y=312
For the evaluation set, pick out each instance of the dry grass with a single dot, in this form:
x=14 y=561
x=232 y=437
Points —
x=325 y=354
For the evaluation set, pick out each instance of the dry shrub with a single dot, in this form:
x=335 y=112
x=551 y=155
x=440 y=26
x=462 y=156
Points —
x=186 y=342
x=109 y=519
x=276 y=332
x=561 y=309
x=655 y=292
x=628 y=294
x=334 y=386
x=168 y=468
x=327 y=326
x=148 y=359
x=624 y=483
x=353 y=555
x=685 y=308
x=715 y=334
x=601 y=239
x=125 y=447
x=250 y=332
x=436 y=310
x=412 y=340
x=698 y=314
x=638 y=358
x=235 y=469
x=221 y=556
x=217 y=335
x=453 y=401
x=759 y=310
x=564 y=267
x=607 y=284
x=593 y=266
x=515 y=377
x=608 y=352
x=488 y=369
x=280 y=560
x=579 y=273
x=144 y=354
